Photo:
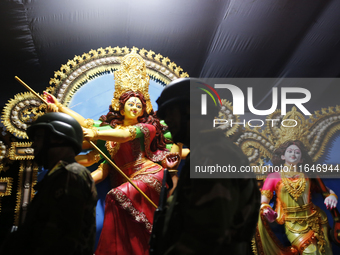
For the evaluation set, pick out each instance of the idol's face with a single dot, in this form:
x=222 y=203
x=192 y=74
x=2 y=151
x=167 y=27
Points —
x=133 y=108
x=292 y=155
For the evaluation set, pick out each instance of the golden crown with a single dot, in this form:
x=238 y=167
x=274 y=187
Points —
x=131 y=76
x=294 y=127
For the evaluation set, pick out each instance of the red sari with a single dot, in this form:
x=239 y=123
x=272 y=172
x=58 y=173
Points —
x=128 y=215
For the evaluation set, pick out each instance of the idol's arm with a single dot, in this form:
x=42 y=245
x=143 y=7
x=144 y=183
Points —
x=268 y=212
x=173 y=159
x=266 y=195
x=55 y=106
x=185 y=153
x=101 y=173
x=115 y=135
x=88 y=159
x=332 y=200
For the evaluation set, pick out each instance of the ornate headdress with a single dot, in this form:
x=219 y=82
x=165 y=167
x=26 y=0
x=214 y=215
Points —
x=131 y=76
x=257 y=143
x=295 y=127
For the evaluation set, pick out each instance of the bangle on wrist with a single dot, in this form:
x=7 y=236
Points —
x=95 y=156
x=95 y=132
x=332 y=194
x=265 y=205
x=88 y=123
x=132 y=131
x=100 y=166
x=267 y=193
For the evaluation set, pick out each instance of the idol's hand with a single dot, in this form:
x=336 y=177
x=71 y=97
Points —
x=52 y=103
x=90 y=133
x=331 y=201
x=172 y=160
x=270 y=214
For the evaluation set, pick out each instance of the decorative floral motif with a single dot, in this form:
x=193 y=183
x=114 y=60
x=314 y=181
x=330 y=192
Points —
x=112 y=147
x=295 y=186
x=313 y=224
x=89 y=123
x=315 y=132
x=127 y=205
x=150 y=181
x=154 y=156
x=267 y=193
x=132 y=131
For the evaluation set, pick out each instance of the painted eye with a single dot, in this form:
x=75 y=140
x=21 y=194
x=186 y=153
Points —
x=139 y=106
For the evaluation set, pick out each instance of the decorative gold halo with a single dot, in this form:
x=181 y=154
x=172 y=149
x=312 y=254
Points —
x=20 y=111
x=291 y=132
x=315 y=131
x=77 y=72
x=25 y=107
x=226 y=114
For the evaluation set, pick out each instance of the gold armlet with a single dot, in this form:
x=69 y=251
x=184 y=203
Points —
x=132 y=131
x=172 y=171
x=265 y=205
x=95 y=132
x=95 y=156
x=331 y=194
x=88 y=123
x=267 y=193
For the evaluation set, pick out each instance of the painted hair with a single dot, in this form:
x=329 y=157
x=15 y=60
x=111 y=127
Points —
x=276 y=159
x=114 y=118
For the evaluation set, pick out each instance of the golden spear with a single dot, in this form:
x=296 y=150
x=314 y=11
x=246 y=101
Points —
x=95 y=147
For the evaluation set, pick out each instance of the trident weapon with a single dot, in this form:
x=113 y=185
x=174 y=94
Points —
x=95 y=147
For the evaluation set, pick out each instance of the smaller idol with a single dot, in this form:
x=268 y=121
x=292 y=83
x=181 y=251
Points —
x=305 y=225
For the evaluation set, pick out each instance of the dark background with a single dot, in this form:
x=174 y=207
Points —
x=207 y=38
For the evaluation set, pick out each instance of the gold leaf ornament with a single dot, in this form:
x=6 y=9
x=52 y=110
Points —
x=295 y=128
x=131 y=76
